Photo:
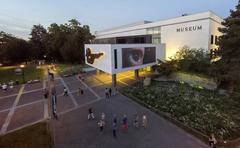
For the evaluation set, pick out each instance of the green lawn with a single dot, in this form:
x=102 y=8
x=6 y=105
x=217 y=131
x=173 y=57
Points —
x=69 y=68
x=7 y=73
x=200 y=109
x=35 y=136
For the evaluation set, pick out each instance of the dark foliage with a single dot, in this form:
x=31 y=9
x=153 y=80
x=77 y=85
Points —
x=227 y=69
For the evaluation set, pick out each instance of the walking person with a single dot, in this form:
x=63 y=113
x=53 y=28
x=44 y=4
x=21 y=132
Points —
x=80 y=91
x=45 y=93
x=103 y=117
x=144 y=121
x=4 y=86
x=212 y=141
x=125 y=122
x=110 y=91
x=114 y=129
x=65 y=91
x=90 y=114
x=11 y=83
x=136 y=121
x=54 y=106
x=115 y=90
x=106 y=93
x=101 y=124
x=115 y=118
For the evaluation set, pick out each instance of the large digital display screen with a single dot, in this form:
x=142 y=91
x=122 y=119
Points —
x=138 y=56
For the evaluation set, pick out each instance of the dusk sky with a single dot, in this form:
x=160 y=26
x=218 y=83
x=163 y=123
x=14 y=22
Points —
x=18 y=16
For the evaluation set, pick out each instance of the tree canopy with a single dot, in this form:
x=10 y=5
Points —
x=65 y=42
x=59 y=42
x=13 y=50
x=228 y=67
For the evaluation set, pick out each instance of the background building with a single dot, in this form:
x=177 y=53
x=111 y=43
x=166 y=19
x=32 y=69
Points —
x=138 y=45
x=196 y=31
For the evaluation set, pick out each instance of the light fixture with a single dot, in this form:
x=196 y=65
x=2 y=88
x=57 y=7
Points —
x=22 y=66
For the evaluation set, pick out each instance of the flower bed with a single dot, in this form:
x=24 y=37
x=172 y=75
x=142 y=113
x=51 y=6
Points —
x=195 y=107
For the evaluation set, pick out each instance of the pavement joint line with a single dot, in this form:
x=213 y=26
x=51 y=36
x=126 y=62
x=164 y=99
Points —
x=80 y=106
x=123 y=83
x=96 y=85
x=97 y=79
x=58 y=85
x=26 y=92
x=12 y=110
x=70 y=94
x=5 y=110
x=23 y=105
x=21 y=127
x=89 y=88
x=45 y=108
x=30 y=91
x=8 y=96
x=70 y=82
x=44 y=84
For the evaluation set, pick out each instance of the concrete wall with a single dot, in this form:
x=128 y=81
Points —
x=106 y=62
x=189 y=36
x=168 y=31
x=214 y=31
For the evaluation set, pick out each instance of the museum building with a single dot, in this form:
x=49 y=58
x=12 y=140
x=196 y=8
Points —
x=138 y=45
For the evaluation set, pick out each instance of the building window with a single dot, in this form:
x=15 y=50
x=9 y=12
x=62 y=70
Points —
x=216 y=39
x=115 y=59
x=155 y=30
x=156 y=40
x=212 y=38
x=150 y=31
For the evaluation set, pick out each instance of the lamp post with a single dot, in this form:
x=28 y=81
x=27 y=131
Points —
x=23 y=76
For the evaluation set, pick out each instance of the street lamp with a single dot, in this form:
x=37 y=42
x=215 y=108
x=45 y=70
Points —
x=23 y=77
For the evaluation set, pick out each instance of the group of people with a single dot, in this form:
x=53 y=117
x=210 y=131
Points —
x=110 y=92
x=65 y=91
x=102 y=122
x=10 y=85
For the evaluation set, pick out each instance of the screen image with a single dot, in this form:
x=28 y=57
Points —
x=138 y=56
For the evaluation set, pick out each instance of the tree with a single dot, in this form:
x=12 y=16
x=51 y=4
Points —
x=77 y=36
x=228 y=67
x=167 y=67
x=13 y=50
x=65 y=42
x=193 y=60
x=55 y=39
x=37 y=40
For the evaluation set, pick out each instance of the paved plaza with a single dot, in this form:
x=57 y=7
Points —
x=74 y=130
x=22 y=106
x=25 y=105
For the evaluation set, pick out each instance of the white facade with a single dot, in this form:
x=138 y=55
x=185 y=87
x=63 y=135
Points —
x=106 y=62
x=194 y=31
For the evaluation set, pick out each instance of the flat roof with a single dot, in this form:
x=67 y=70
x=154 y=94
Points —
x=148 y=24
